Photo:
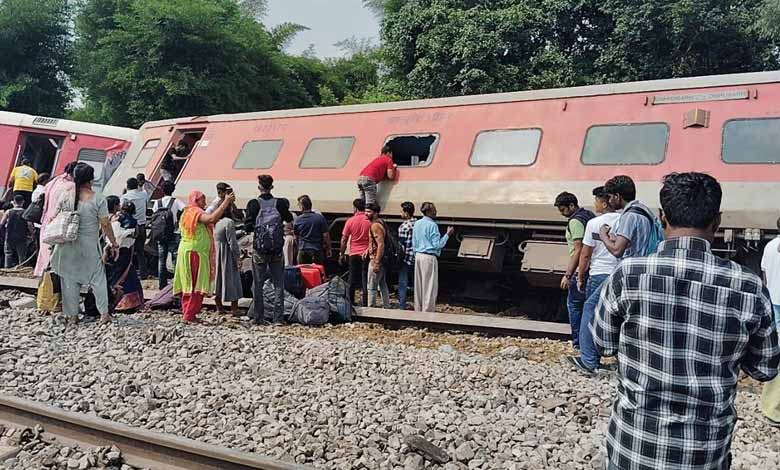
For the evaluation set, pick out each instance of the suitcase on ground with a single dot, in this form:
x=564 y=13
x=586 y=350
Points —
x=313 y=274
x=293 y=281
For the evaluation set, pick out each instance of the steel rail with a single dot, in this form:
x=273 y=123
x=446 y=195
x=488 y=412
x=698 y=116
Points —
x=140 y=448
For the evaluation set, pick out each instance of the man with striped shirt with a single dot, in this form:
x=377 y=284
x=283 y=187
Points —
x=683 y=322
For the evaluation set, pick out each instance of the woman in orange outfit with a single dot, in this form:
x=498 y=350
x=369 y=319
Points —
x=195 y=264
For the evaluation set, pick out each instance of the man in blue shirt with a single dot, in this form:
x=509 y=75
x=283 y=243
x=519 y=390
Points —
x=428 y=243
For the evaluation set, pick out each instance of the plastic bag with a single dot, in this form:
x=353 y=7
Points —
x=49 y=293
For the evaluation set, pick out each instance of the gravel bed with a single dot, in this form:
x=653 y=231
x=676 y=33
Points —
x=346 y=397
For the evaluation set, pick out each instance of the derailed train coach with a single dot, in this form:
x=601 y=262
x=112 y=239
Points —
x=51 y=143
x=493 y=164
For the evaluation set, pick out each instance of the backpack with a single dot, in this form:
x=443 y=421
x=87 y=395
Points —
x=656 y=235
x=394 y=255
x=583 y=216
x=269 y=230
x=162 y=223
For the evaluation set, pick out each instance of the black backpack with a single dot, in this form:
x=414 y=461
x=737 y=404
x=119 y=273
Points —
x=269 y=231
x=162 y=223
x=393 y=258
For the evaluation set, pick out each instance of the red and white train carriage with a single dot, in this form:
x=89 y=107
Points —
x=51 y=143
x=493 y=164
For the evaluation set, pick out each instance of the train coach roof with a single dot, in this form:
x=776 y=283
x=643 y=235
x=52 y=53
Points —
x=64 y=125
x=672 y=84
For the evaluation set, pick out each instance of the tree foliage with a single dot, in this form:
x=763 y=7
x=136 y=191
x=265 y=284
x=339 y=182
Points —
x=455 y=47
x=140 y=60
x=680 y=38
x=34 y=56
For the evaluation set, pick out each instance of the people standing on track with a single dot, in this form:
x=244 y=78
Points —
x=195 y=263
x=140 y=200
x=57 y=188
x=228 y=277
x=222 y=190
x=40 y=188
x=683 y=322
x=354 y=244
x=638 y=231
x=80 y=263
x=596 y=264
x=265 y=217
x=770 y=267
x=377 y=270
x=405 y=231
x=380 y=169
x=312 y=234
x=428 y=243
x=17 y=234
x=23 y=179
x=578 y=218
x=165 y=229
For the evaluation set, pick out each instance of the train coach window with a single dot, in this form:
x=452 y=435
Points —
x=626 y=144
x=327 y=152
x=413 y=150
x=506 y=147
x=258 y=154
x=751 y=141
x=146 y=153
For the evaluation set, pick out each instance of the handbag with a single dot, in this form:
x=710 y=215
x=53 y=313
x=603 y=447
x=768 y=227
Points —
x=34 y=212
x=64 y=227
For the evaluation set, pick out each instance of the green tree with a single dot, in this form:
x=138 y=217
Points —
x=678 y=38
x=141 y=60
x=34 y=56
x=438 y=48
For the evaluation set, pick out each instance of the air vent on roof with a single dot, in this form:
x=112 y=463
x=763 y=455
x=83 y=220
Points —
x=44 y=121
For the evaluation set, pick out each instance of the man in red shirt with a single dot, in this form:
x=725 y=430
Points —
x=380 y=169
x=356 y=233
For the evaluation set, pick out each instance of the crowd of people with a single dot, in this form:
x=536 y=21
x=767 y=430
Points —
x=641 y=286
x=198 y=241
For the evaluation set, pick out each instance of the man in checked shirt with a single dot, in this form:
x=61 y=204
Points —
x=683 y=322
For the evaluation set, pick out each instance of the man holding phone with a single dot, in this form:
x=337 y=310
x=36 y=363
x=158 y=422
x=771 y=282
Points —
x=223 y=189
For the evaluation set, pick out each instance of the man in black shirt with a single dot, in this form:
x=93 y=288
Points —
x=268 y=260
x=311 y=230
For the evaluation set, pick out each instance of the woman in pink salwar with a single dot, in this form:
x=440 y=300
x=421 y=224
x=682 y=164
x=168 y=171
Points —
x=56 y=186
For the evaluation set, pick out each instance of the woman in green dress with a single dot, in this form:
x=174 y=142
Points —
x=195 y=263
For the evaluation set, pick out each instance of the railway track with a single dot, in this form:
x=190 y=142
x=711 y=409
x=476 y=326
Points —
x=140 y=448
x=469 y=323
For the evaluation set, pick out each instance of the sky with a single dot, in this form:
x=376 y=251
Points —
x=329 y=21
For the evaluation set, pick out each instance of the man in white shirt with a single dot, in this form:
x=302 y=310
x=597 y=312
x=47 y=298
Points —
x=140 y=200
x=222 y=190
x=770 y=266
x=165 y=247
x=596 y=264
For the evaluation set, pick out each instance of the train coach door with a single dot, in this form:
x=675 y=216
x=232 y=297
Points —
x=180 y=150
x=42 y=150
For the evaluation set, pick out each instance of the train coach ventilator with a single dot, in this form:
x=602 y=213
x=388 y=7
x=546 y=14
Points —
x=140 y=448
